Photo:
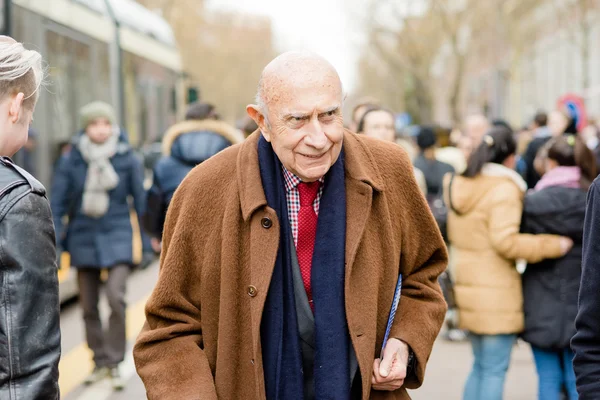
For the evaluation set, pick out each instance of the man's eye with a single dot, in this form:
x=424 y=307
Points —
x=328 y=116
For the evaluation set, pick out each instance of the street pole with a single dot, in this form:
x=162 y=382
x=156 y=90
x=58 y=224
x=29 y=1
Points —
x=6 y=23
x=117 y=67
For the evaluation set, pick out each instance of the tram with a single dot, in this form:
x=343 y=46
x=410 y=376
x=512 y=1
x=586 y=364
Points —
x=77 y=40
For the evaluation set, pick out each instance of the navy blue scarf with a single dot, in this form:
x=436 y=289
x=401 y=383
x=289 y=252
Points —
x=281 y=351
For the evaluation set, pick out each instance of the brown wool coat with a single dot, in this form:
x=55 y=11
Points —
x=201 y=338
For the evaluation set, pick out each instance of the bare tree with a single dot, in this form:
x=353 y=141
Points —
x=576 y=17
x=411 y=48
x=222 y=52
x=407 y=51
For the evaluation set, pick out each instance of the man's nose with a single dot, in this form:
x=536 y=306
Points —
x=316 y=136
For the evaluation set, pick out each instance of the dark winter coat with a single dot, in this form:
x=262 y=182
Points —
x=434 y=172
x=550 y=287
x=586 y=342
x=185 y=145
x=97 y=242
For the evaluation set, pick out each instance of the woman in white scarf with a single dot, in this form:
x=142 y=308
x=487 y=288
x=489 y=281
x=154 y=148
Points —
x=92 y=186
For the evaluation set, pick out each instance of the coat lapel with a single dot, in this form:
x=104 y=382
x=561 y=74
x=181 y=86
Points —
x=362 y=180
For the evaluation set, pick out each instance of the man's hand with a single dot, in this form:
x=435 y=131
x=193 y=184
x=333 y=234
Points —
x=389 y=373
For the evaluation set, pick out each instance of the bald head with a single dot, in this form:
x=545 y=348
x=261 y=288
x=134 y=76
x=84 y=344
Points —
x=295 y=70
x=299 y=111
x=475 y=127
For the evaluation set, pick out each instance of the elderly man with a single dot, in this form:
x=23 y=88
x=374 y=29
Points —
x=281 y=256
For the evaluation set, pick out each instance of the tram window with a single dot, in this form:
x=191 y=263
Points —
x=84 y=80
x=103 y=81
x=62 y=122
x=71 y=84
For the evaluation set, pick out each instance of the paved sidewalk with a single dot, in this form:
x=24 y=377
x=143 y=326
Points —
x=446 y=374
x=450 y=365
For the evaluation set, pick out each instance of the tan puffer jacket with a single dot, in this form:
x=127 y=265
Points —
x=483 y=227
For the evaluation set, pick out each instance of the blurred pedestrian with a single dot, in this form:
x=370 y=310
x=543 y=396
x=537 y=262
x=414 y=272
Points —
x=184 y=146
x=501 y=123
x=541 y=135
x=282 y=256
x=485 y=205
x=561 y=122
x=591 y=135
x=248 y=126
x=379 y=123
x=29 y=309
x=452 y=156
x=475 y=127
x=91 y=188
x=426 y=161
x=359 y=110
x=550 y=287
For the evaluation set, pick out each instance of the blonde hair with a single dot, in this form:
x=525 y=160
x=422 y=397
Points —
x=20 y=71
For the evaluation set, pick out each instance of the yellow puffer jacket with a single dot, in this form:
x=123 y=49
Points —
x=484 y=217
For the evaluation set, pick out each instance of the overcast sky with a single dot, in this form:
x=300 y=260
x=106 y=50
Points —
x=333 y=33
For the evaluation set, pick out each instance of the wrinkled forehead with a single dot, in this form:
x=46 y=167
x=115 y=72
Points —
x=300 y=91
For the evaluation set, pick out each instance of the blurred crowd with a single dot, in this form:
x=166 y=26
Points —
x=510 y=206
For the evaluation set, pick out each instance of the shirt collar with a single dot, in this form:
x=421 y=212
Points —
x=292 y=181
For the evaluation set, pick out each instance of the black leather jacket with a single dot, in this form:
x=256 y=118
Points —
x=29 y=303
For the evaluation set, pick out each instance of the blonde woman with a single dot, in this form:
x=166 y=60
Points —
x=29 y=305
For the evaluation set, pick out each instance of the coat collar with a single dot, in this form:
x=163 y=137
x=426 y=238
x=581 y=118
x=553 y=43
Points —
x=499 y=170
x=359 y=166
x=218 y=127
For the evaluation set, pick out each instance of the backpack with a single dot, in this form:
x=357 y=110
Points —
x=440 y=213
x=439 y=209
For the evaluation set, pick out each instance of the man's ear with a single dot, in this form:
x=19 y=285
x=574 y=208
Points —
x=16 y=108
x=258 y=117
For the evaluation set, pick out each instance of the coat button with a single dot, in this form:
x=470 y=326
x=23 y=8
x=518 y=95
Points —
x=266 y=223
x=252 y=291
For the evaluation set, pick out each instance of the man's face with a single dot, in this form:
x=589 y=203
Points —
x=557 y=123
x=380 y=125
x=359 y=112
x=99 y=130
x=306 y=128
x=476 y=128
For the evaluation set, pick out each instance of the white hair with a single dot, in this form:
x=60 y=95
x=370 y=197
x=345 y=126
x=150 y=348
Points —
x=15 y=63
x=260 y=102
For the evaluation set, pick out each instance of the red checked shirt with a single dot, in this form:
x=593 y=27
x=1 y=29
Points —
x=293 y=200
